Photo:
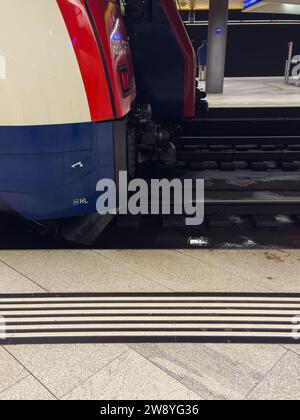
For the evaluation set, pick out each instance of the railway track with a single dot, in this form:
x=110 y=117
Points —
x=245 y=141
x=246 y=171
x=251 y=168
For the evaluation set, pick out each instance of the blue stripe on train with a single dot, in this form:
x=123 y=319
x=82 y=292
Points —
x=51 y=172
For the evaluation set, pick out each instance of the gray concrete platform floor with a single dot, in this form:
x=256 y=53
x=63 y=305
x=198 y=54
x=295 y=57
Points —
x=150 y=371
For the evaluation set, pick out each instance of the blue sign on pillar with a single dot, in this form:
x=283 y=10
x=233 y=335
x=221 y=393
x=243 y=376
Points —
x=218 y=30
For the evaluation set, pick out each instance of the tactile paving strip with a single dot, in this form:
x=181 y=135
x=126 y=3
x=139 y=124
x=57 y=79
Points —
x=156 y=317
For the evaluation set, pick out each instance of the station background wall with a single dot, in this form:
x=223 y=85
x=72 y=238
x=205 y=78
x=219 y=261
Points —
x=253 y=50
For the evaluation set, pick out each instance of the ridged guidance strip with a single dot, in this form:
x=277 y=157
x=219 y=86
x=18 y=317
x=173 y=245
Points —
x=64 y=318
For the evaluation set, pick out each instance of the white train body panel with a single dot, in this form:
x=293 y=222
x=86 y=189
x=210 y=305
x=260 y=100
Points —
x=40 y=79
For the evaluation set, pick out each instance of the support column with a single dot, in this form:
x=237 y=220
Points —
x=217 y=40
x=192 y=16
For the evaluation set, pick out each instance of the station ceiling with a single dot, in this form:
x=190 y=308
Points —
x=204 y=4
x=268 y=6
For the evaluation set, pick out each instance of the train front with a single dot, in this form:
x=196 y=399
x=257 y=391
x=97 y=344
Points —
x=66 y=86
